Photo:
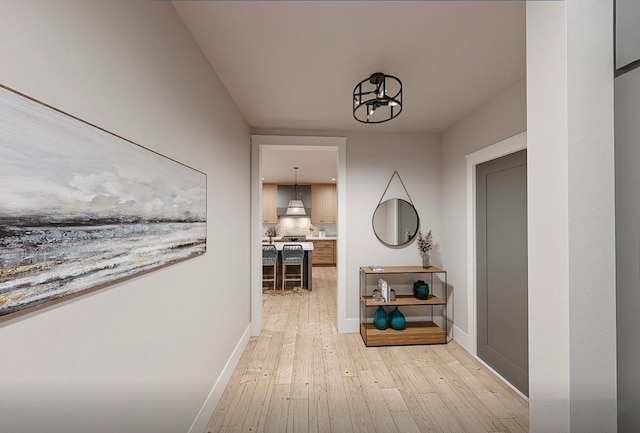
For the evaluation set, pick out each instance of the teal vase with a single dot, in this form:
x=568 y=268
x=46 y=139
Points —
x=397 y=320
x=421 y=290
x=380 y=319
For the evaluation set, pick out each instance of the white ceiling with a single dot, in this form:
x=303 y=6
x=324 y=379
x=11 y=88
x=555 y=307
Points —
x=294 y=64
x=318 y=164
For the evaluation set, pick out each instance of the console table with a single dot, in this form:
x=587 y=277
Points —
x=415 y=332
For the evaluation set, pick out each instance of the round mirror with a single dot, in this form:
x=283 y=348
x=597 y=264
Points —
x=395 y=222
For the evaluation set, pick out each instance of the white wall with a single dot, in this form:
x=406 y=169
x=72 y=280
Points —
x=502 y=117
x=143 y=355
x=572 y=350
x=371 y=160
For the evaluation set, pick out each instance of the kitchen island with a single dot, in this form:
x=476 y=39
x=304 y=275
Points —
x=308 y=250
x=307 y=238
x=324 y=250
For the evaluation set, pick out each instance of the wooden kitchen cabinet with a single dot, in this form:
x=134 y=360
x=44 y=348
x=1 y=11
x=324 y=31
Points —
x=269 y=203
x=324 y=253
x=323 y=203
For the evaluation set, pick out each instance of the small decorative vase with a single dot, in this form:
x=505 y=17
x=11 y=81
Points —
x=421 y=290
x=380 y=319
x=397 y=320
x=270 y=239
x=425 y=260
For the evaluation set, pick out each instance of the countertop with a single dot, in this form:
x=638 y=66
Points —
x=309 y=238
x=306 y=246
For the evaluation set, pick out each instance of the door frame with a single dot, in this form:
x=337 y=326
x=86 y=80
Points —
x=510 y=145
x=257 y=144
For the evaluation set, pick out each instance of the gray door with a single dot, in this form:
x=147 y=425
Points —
x=501 y=218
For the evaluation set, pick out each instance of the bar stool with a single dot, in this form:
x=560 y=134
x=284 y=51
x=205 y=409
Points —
x=269 y=265
x=292 y=264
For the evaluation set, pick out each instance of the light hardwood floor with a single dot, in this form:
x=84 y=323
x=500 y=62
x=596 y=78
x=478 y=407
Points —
x=300 y=375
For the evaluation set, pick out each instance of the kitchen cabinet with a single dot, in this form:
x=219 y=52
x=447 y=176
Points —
x=416 y=332
x=323 y=203
x=269 y=200
x=324 y=253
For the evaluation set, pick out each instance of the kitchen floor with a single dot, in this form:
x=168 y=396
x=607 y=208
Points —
x=300 y=375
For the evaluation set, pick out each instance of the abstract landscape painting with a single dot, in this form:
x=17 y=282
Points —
x=81 y=208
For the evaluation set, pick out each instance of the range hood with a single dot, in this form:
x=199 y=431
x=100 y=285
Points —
x=285 y=192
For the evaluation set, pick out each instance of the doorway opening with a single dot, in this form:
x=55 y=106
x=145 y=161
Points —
x=284 y=150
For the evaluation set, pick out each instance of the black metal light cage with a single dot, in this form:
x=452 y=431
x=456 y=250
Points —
x=377 y=99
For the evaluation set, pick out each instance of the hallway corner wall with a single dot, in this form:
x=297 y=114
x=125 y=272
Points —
x=140 y=355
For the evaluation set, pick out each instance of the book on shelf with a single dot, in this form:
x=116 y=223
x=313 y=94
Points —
x=384 y=289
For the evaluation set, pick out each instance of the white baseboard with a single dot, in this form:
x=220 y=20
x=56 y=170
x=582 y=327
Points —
x=350 y=325
x=206 y=411
x=463 y=339
x=502 y=378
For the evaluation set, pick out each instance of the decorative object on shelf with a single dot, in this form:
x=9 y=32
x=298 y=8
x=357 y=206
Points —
x=384 y=289
x=271 y=232
x=377 y=295
x=425 y=244
x=380 y=319
x=392 y=294
x=397 y=320
x=377 y=99
x=421 y=290
x=296 y=207
x=395 y=221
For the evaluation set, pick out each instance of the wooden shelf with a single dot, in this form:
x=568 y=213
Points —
x=403 y=300
x=414 y=333
x=402 y=270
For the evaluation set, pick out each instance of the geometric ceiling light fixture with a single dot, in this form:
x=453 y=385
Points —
x=296 y=207
x=377 y=99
